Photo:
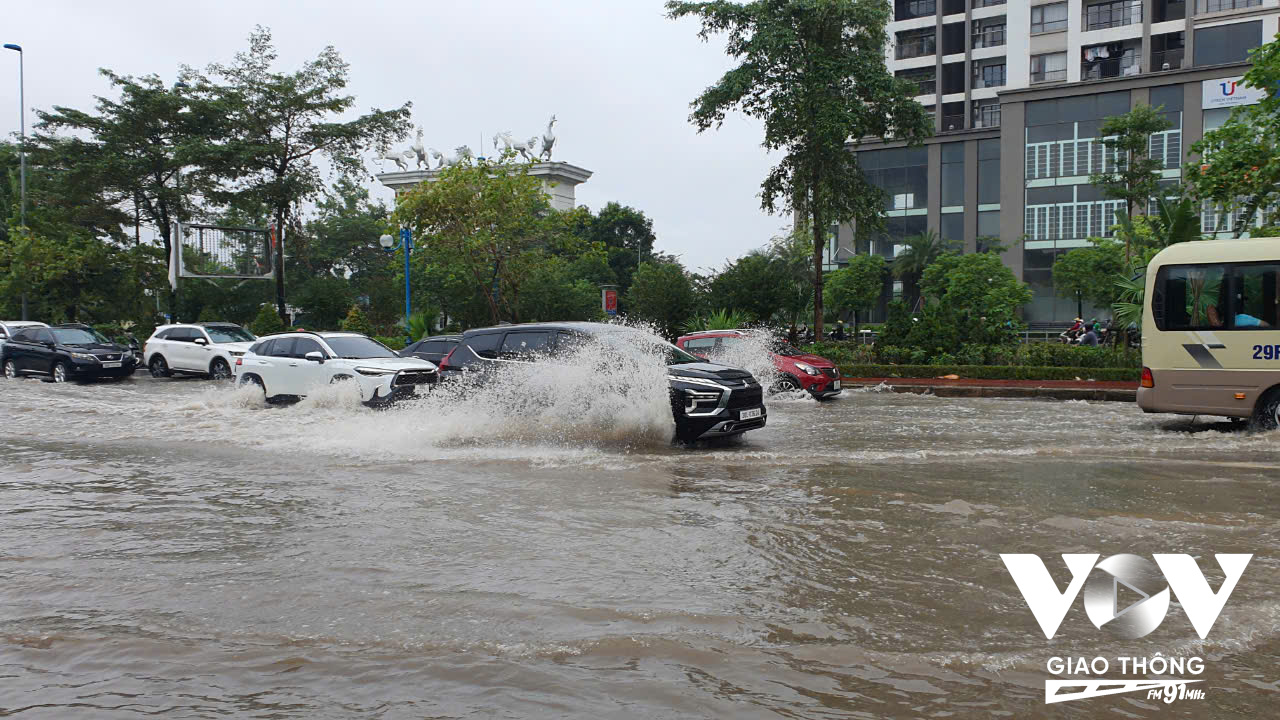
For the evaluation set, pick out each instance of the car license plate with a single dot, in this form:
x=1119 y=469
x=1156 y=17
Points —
x=110 y=365
x=835 y=385
x=749 y=414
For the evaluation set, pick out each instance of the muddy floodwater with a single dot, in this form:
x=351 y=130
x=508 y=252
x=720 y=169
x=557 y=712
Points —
x=178 y=549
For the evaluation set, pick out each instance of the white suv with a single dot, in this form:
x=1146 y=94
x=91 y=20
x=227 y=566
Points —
x=196 y=349
x=292 y=364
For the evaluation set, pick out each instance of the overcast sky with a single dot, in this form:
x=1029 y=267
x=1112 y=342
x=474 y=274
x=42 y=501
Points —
x=618 y=75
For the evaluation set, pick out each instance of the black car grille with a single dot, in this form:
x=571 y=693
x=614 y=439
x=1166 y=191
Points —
x=744 y=397
x=109 y=358
x=831 y=372
x=416 y=377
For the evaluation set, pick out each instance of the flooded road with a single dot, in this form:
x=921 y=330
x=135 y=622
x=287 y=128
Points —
x=180 y=549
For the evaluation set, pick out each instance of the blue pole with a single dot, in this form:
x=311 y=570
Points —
x=407 y=241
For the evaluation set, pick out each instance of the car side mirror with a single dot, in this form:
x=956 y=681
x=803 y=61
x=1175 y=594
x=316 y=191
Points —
x=200 y=341
x=315 y=356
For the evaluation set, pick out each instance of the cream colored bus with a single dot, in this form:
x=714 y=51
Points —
x=1211 y=331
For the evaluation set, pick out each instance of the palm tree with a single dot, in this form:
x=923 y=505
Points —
x=920 y=252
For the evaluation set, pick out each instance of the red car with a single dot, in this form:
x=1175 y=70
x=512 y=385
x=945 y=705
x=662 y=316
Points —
x=796 y=370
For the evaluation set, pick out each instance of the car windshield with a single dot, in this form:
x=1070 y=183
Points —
x=355 y=347
x=76 y=336
x=229 y=334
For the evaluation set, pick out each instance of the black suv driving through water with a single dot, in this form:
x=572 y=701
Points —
x=707 y=400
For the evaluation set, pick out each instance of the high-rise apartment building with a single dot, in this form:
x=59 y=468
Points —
x=1019 y=90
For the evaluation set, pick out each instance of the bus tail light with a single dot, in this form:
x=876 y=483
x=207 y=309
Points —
x=1148 y=381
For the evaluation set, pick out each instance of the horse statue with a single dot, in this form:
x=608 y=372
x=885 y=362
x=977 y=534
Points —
x=438 y=156
x=420 y=151
x=397 y=157
x=524 y=147
x=460 y=155
x=548 y=140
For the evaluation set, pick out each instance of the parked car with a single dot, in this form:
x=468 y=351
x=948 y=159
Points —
x=707 y=400
x=797 y=370
x=208 y=349
x=291 y=365
x=63 y=353
x=9 y=327
x=432 y=349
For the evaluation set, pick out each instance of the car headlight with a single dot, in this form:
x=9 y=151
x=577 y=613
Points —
x=83 y=356
x=701 y=402
x=374 y=372
x=807 y=368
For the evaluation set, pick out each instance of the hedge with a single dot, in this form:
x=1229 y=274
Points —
x=990 y=372
x=395 y=343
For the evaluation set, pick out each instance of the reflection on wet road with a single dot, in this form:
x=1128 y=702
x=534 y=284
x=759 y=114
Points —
x=179 y=549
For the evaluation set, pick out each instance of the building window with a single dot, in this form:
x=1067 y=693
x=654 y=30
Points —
x=1167 y=10
x=908 y=9
x=987 y=3
x=988 y=33
x=1167 y=51
x=1048 y=18
x=1049 y=68
x=1226 y=43
x=989 y=172
x=989 y=76
x=988 y=228
x=915 y=43
x=952 y=175
x=1112 y=14
x=1213 y=6
x=986 y=114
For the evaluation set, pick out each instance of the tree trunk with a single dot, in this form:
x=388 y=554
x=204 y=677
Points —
x=818 y=237
x=279 y=250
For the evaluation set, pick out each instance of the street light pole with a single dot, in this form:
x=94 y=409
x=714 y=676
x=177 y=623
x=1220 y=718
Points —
x=389 y=244
x=22 y=145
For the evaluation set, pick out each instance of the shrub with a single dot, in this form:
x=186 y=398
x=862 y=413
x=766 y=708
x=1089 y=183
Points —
x=395 y=343
x=991 y=372
x=356 y=322
x=266 y=321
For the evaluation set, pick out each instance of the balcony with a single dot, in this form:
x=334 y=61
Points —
x=926 y=82
x=1167 y=59
x=1044 y=76
x=952 y=123
x=1125 y=65
x=986 y=116
x=1213 y=6
x=915 y=47
x=1117 y=13
x=1166 y=10
x=987 y=37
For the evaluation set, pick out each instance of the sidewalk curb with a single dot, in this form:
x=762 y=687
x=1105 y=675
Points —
x=1080 y=391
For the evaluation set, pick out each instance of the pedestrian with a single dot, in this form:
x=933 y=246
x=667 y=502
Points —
x=839 y=333
x=1090 y=337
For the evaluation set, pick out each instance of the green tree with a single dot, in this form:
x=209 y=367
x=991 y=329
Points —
x=266 y=321
x=1088 y=274
x=488 y=216
x=919 y=252
x=280 y=122
x=132 y=149
x=662 y=294
x=1135 y=175
x=1240 y=161
x=814 y=72
x=858 y=285
x=756 y=284
x=552 y=292
x=983 y=294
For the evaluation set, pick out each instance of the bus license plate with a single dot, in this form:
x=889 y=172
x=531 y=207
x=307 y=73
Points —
x=749 y=414
x=110 y=365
